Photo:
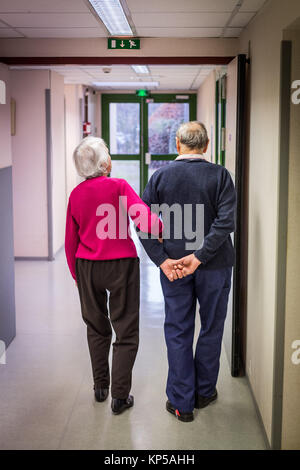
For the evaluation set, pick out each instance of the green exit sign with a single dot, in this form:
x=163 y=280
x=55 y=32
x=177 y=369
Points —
x=114 y=43
x=142 y=93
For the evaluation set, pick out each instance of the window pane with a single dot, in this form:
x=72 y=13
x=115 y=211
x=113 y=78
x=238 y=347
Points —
x=124 y=128
x=163 y=122
x=129 y=170
x=155 y=165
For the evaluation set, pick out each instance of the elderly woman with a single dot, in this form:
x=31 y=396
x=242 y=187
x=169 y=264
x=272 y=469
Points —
x=102 y=257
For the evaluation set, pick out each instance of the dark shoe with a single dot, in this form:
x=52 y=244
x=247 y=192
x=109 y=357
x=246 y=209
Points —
x=185 y=417
x=118 y=405
x=101 y=394
x=202 y=402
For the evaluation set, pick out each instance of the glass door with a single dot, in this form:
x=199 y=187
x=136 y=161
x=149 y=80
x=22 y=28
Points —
x=141 y=131
x=121 y=130
x=163 y=115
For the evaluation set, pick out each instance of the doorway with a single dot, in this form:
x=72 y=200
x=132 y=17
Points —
x=140 y=132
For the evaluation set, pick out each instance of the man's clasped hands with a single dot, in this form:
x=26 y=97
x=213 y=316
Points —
x=177 y=269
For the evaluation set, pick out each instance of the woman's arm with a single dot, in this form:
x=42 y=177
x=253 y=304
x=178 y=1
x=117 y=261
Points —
x=71 y=241
x=139 y=212
x=153 y=248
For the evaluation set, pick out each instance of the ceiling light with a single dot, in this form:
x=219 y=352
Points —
x=140 y=69
x=112 y=15
x=136 y=85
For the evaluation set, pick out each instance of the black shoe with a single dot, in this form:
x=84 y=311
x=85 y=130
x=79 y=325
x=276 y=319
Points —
x=202 y=402
x=185 y=417
x=101 y=394
x=118 y=405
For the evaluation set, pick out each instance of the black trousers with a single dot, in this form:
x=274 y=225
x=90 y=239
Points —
x=121 y=277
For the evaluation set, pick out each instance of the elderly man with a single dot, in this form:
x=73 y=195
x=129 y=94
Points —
x=202 y=274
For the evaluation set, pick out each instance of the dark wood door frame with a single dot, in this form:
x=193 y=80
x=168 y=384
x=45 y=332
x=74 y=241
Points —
x=239 y=273
x=116 y=60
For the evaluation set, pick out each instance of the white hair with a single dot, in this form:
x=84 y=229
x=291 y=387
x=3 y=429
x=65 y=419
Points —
x=193 y=135
x=91 y=157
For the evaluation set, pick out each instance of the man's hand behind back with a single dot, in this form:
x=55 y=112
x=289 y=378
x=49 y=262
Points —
x=168 y=269
x=177 y=269
x=186 y=265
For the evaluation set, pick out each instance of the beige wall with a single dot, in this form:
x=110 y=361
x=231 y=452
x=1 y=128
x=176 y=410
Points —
x=98 y=47
x=291 y=379
x=58 y=159
x=98 y=114
x=29 y=163
x=92 y=112
x=265 y=35
x=73 y=93
x=206 y=106
x=231 y=116
x=5 y=139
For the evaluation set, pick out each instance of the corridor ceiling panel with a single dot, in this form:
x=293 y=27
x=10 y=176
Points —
x=150 y=18
x=180 y=6
x=169 y=77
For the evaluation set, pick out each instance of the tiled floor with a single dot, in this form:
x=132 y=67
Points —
x=46 y=398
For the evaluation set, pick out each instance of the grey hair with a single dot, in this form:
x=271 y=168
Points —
x=91 y=157
x=193 y=135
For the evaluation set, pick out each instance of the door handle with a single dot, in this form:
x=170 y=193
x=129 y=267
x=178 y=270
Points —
x=148 y=158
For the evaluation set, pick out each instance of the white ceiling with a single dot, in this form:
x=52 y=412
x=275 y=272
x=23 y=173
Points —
x=152 y=18
x=170 y=77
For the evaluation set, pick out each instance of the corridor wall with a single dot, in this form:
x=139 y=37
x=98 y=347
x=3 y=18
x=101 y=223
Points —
x=73 y=132
x=7 y=274
x=59 y=189
x=206 y=110
x=261 y=40
x=291 y=372
x=39 y=197
x=29 y=163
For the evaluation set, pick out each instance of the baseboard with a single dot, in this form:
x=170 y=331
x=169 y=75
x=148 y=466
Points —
x=258 y=414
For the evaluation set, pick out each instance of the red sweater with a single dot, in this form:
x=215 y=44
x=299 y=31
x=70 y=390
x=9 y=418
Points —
x=97 y=221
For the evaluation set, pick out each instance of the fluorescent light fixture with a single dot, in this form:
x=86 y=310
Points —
x=136 y=85
x=112 y=15
x=140 y=69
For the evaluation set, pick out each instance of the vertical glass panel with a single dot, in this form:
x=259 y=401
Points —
x=124 y=128
x=163 y=122
x=129 y=170
x=155 y=165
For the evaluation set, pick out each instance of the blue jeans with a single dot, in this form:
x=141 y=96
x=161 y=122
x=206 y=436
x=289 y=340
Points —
x=189 y=373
